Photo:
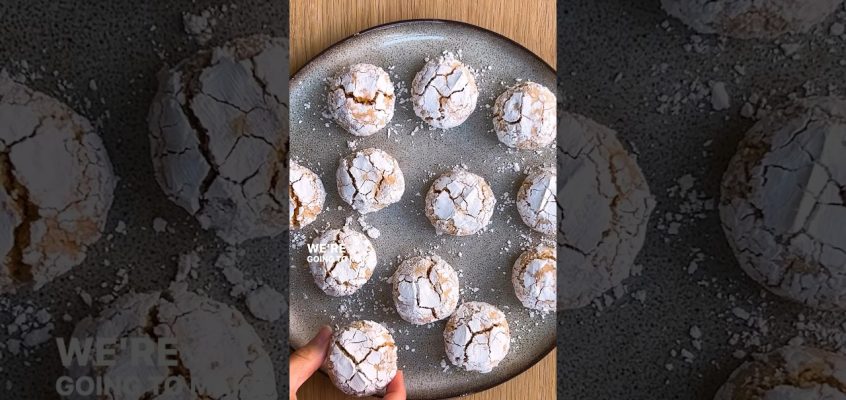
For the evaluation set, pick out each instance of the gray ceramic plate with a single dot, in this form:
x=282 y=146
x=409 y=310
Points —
x=484 y=261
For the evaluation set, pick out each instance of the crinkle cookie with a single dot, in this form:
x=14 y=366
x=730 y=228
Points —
x=425 y=289
x=361 y=99
x=236 y=367
x=344 y=263
x=477 y=337
x=306 y=196
x=370 y=180
x=783 y=204
x=56 y=187
x=534 y=278
x=459 y=203
x=525 y=117
x=362 y=359
x=537 y=202
x=218 y=130
x=789 y=373
x=604 y=208
x=444 y=92
x=751 y=18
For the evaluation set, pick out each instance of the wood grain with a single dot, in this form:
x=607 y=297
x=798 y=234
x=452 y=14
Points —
x=538 y=383
x=317 y=24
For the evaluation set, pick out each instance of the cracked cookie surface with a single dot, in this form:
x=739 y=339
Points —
x=788 y=373
x=783 y=203
x=56 y=187
x=459 y=203
x=534 y=278
x=361 y=99
x=425 y=289
x=362 y=358
x=604 y=206
x=525 y=116
x=751 y=18
x=347 y=264
x=238 y=368
x=218 y=129
x=537 y=202
x=444 y=92
x=477 y=337
x=306 y=195
x=370 y=180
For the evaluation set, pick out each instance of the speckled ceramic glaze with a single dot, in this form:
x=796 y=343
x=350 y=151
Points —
x=485 y=262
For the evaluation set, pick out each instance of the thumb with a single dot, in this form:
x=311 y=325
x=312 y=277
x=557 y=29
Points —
x=308 y=358
x=396 y=389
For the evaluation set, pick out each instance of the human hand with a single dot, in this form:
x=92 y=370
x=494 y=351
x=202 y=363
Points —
x=305 y=361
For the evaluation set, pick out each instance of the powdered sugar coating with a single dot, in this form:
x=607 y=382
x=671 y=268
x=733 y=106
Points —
x=524 y=116
x=425 y=289
x=345 y=269
x=537 y=200
x=751 y=18
x=306 y=196
x=783 y=204
x=370 y=180
x=217 y=350
x=477 y=337
x=459 y=203
x=218 y=132
x=361 y=99
x=362 y=358
x=788 y=373
x=56 y=187
x=534 y=278
x=604 y=211
x=444 y=92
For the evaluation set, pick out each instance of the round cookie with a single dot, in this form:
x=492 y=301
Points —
x=525 y=116
x=604 y=212
x=444 y=92
x=306 y=196
x=791 y=372
x=238 y=366
x=344 y=263
x=783 y=203
x=370 y=180
x=459 y=203
x=361 y=99
x=217 y=137
x=425 y=289
x=56 y=187
x=534 y=278
x=362 y=359
x=747 y=19
x=477 y=337
x=537 y=201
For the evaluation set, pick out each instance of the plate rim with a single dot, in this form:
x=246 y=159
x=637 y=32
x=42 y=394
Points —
x=389 y=25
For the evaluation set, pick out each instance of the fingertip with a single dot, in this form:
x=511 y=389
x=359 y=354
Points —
x=396 y=389
x=306 y=360
x=323 y=335
x=320 y=340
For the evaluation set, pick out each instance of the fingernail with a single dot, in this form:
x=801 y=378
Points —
x=323 y=334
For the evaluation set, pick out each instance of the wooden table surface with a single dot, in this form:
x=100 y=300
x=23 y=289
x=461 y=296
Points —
x=317 y=24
